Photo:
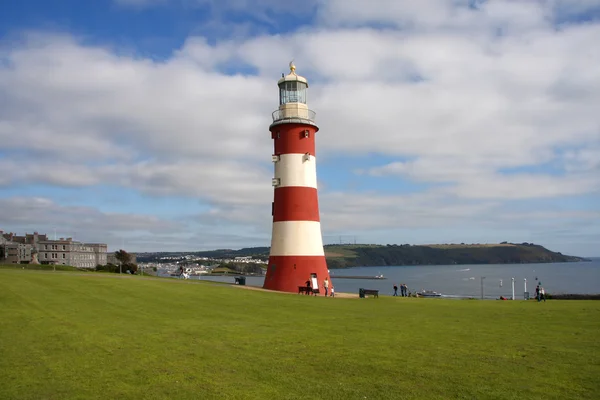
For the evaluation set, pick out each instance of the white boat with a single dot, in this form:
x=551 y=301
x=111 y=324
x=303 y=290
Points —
x=428 y=293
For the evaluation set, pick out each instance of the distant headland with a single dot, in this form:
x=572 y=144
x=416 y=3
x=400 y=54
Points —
x=368 y=255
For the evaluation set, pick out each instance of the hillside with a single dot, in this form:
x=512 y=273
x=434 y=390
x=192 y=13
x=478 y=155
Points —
x=344 y=256
x=505 y=253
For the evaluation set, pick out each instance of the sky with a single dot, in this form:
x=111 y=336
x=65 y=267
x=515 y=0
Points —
x=144 y=123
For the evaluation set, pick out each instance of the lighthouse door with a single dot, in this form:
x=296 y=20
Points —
x=314 y=282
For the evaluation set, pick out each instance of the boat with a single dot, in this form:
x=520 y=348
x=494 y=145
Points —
x=380 y=276
x=428 y=293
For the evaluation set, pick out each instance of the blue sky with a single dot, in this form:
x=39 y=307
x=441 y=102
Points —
x=145 y=122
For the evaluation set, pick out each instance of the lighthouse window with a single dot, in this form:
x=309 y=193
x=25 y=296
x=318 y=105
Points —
x=292 y=92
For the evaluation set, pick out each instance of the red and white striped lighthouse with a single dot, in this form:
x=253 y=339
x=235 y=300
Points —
x=297 y=253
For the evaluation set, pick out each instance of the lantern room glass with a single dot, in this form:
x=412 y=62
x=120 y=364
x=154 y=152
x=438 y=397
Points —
x=292 y=92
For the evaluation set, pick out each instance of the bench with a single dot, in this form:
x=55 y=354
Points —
x=307 y=290
x=304 y=289
x=373 y=292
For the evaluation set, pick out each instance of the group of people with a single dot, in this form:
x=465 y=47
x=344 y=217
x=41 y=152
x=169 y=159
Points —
x=540 y=293
x=403 y=290
x=183 y=274
x=327 y=287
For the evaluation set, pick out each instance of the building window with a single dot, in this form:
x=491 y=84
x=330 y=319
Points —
x=64 y=255
x=64 y=247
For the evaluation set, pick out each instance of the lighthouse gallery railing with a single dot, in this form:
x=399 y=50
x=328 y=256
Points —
x=293 y=113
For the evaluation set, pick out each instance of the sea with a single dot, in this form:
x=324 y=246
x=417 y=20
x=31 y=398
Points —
x=464 y=281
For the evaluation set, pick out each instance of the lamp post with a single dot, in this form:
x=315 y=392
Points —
x=513 y=288
x=482 y=278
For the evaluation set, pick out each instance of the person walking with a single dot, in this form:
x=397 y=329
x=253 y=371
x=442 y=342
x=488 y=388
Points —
x=395 y=290
x=537 y=293
x=326 y=286
x=332 y=292
x=542 y=294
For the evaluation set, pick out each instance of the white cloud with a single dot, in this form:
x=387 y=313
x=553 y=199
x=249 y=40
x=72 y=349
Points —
x=454 y=97
x=132 y=231
x=230 y=183
x=38 y=211
x=466 y=16
x=55 y=173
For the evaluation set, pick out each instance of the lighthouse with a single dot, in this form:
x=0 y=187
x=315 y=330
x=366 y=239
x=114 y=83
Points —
x=297 y=254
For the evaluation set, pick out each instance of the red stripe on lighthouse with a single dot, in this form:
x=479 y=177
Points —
x=291 y=138
x=294 y=203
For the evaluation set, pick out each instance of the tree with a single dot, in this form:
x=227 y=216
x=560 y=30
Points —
x=123 y=257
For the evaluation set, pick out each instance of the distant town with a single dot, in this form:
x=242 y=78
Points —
x=38 y=248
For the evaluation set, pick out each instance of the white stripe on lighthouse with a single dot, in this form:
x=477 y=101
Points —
x=297 y=238
x=296 y=170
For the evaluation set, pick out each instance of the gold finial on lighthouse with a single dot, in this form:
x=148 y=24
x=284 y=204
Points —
x=292 y=68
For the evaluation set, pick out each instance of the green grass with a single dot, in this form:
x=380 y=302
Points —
x=43 y=267
x=67 y=268
x=101 y=336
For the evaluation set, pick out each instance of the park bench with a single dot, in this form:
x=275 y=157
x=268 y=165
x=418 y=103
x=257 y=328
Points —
x=373 y=292
x=304 y=289
x=307 y=290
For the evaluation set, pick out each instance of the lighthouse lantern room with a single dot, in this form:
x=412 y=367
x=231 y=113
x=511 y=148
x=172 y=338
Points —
x=297 y=257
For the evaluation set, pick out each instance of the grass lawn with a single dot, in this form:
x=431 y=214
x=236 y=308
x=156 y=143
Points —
x=85 y=335
x=44 y=267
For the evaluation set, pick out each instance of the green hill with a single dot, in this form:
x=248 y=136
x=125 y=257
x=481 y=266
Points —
x=365 y=255
x=504 y=253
